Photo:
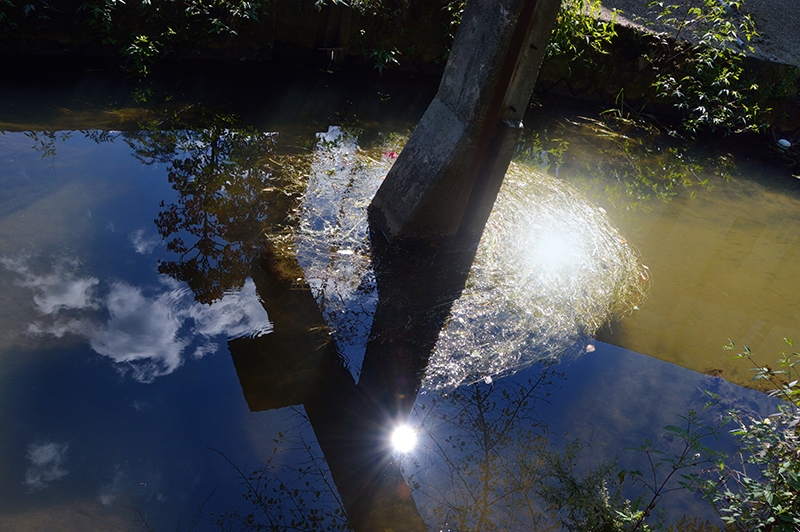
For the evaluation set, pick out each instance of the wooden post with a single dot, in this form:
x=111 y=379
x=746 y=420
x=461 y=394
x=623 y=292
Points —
x=446 y=179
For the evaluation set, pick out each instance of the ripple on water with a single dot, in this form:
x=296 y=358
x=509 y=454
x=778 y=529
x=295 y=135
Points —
x=550 y=270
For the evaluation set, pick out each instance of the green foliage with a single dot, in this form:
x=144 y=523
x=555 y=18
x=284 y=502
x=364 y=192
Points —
x=592 y=499
x=140 y=31
x=589 y=501
x=25 y=20
x=455 y=10
x=491 y=466
x=672 y=471
x=769 y=500
x=384 y=57
x=382 y=38
x=762 y=490
x=699 y=65
x=141 y=53
x=578 y=30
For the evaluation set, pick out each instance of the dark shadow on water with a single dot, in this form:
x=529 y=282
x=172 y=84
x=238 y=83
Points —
x=298 y=364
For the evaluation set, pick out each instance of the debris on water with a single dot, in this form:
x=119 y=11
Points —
x=784 y=144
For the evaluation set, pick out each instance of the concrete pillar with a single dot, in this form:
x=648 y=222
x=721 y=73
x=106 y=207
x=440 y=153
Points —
x=446 y=179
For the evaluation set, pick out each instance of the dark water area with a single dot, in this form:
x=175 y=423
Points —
x=197 y=316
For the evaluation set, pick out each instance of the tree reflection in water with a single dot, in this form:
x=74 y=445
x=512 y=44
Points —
x=292 y=490
x=480 y=463
x=228 y=194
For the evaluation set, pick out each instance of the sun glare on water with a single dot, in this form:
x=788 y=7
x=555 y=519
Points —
x=404 y=439
x=551 y=252
x=550 y=270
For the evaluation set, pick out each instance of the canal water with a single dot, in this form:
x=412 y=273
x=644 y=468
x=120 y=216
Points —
x=187 y=303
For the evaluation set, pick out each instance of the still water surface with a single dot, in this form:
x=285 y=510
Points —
x=167 y=296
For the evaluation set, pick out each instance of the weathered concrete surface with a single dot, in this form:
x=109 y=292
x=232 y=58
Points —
x=777 y=22
x=443 y=182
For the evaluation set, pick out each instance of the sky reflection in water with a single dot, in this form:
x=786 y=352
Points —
x=96 y=438
x=144 y=333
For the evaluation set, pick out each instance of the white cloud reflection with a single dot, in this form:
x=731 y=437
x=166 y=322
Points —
x=47 y=464
x=58 y=290
x=141 y=332
x=144 y=244
x=146 y=333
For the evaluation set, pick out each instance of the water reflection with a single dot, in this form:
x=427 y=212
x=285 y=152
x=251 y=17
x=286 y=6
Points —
x=513 y=310
x=480 y=460
x=331 y=243
x=143 y=243
x=550 y=270
x=299 y=363
x=353 y=325
x=323 y=294
x=291 y=489
x=224 y=178
x=144 y=331
x=47 y=464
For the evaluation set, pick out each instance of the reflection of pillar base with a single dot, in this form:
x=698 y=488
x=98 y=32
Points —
x=283 y=367
x=298 y=364
x=275 y=373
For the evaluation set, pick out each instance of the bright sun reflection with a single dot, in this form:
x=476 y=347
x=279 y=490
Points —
x=550 y=270
x=404 y=439
x=554 y=252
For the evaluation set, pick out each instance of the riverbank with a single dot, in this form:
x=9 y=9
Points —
x=414 y=40
x=776 y=21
